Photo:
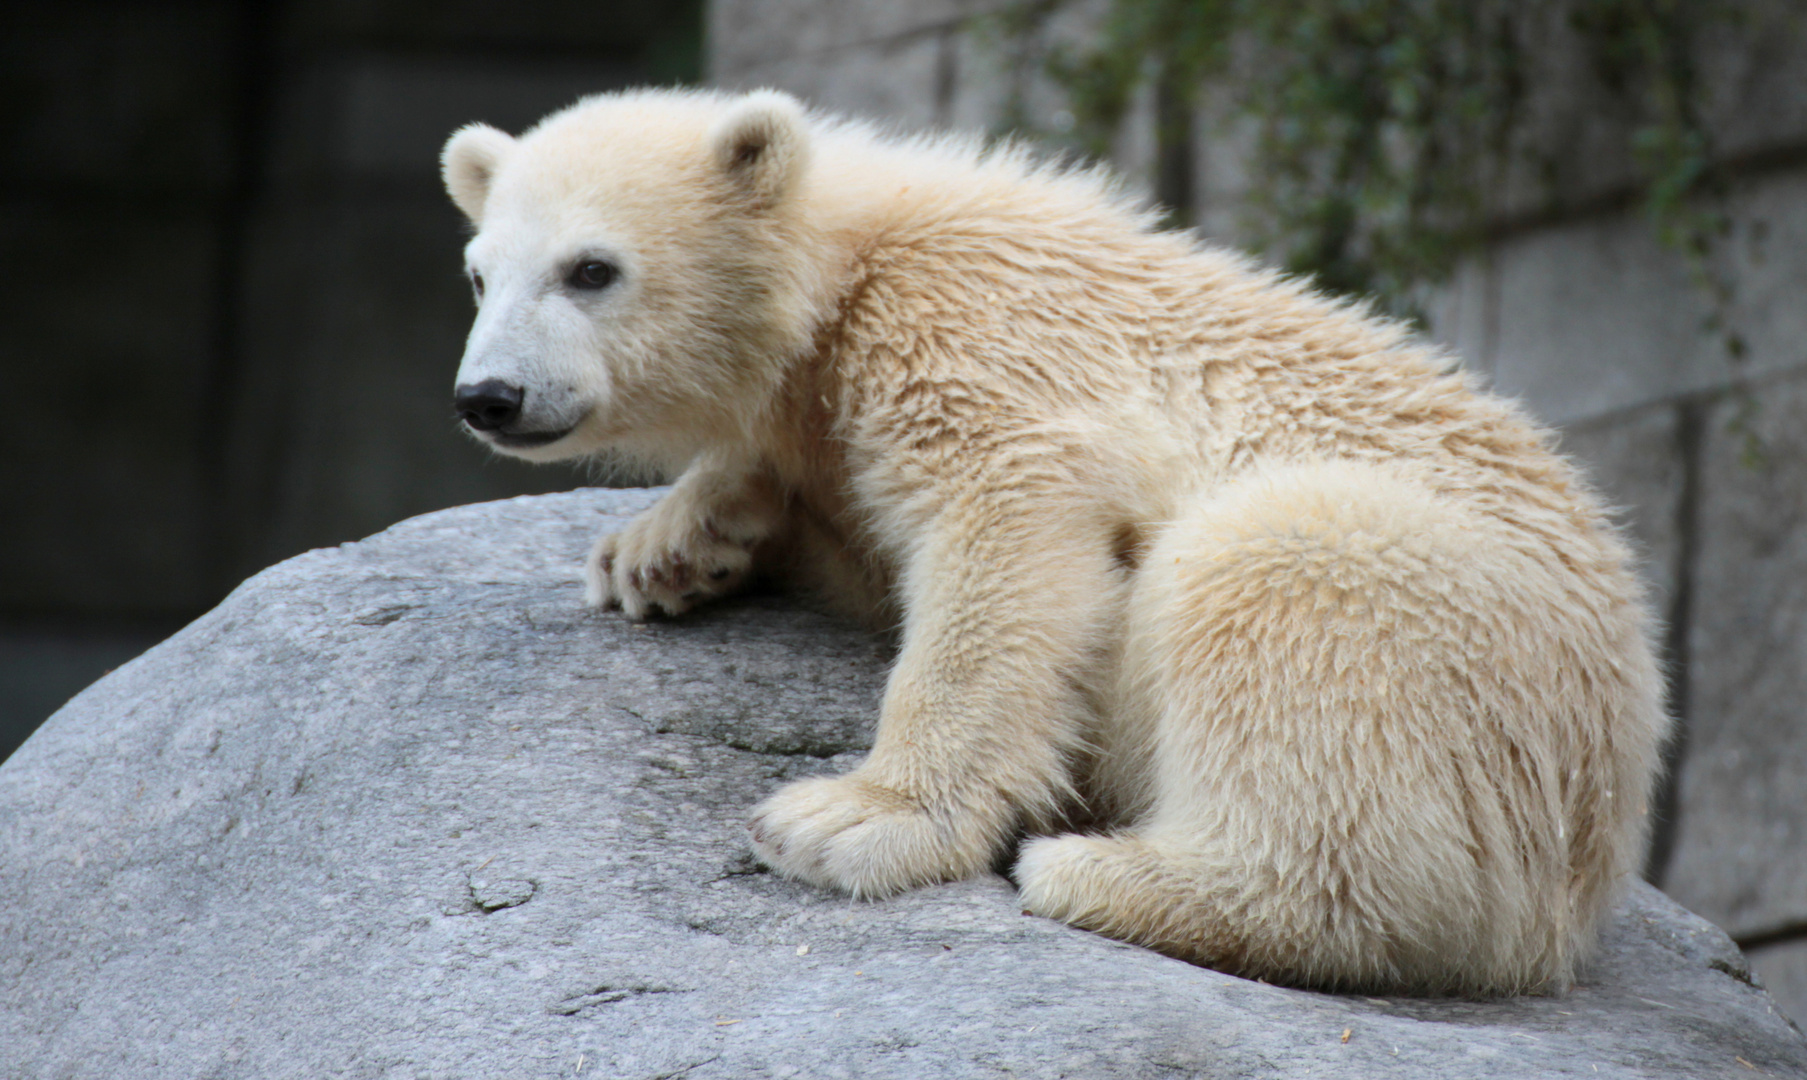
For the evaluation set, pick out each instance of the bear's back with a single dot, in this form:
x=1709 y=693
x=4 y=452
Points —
x=994 y=299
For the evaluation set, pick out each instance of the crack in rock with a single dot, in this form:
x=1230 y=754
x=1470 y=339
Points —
x=496 y=894
x=684 y=1070
x=609 y=995
x=746 y=865
x=383 y=616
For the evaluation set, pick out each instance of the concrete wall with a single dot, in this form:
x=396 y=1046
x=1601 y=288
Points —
x=1592 y=324
x=234 y=303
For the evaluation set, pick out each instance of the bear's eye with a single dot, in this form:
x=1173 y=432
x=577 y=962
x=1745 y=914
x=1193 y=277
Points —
x=477 y=283
x=593 y=274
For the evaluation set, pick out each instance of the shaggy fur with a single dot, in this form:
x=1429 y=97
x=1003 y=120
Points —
x=1340 y=663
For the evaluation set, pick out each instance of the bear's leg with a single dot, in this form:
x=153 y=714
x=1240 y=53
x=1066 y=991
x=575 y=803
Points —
x=1392 y=744
x=987 y=708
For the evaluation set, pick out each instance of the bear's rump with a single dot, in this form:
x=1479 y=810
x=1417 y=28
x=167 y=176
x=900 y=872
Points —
x=1382 y=719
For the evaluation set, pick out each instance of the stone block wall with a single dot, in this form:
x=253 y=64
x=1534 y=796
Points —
x=235 y=302
x=1589 y=321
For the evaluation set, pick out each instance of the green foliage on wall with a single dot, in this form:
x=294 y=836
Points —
x=1388 y=137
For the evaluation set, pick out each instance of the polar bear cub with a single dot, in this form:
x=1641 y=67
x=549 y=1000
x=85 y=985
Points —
x=1296 y=654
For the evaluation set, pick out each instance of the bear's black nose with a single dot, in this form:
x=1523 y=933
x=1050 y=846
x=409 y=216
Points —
x=488 y=405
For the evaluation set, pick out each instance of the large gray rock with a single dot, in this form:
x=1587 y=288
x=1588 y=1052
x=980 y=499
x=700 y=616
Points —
x=404 y=809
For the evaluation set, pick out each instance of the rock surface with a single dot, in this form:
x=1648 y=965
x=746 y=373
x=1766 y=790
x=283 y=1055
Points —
x=404 y=809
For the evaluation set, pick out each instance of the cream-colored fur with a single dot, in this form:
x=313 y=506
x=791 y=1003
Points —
x=1340 y=667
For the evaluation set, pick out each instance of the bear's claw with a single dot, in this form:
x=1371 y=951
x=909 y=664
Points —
x=655 y=564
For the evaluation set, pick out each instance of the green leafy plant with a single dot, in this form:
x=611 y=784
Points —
x=1386 y=139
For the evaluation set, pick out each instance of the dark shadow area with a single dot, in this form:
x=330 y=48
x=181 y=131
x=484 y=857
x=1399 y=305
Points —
x=234 y=304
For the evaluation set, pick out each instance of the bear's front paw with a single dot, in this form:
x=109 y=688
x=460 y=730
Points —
x=849 y=834
x=665 y=562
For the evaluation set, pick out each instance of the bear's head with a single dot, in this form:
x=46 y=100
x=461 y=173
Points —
x=641 y=270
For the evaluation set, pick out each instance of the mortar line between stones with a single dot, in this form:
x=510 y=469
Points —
x=882 y=42
x=1740 y=167
x=1716 y=391
x=1690 y=423
x=1775 y=935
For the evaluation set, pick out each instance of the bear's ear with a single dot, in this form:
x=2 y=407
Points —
x=762 y=144
x=469 y=163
